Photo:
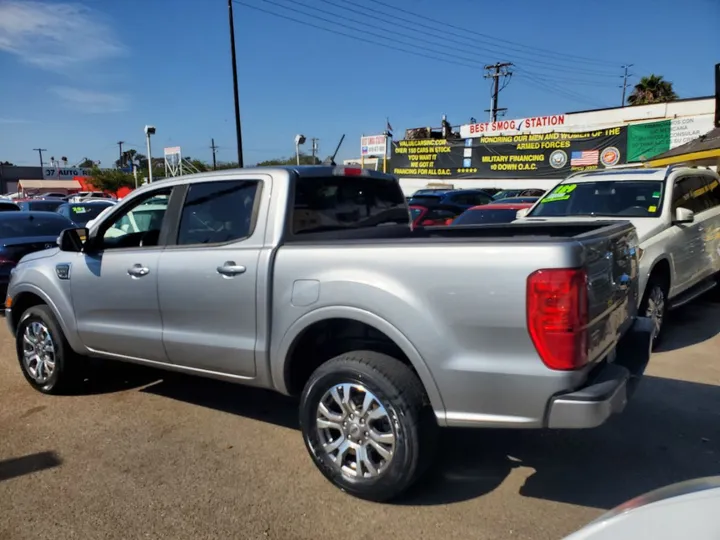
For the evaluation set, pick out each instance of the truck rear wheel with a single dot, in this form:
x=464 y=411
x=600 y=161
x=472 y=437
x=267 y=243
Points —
x=46 y=359
x=366 y=425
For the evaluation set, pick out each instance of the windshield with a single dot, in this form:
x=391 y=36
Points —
x=82 y=213
x=476 y=217
x=14 y=225
x=615 y=198
x=43 y=206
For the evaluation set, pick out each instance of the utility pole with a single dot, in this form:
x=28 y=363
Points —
x=214 y=151
x=625 y=83
x=495 y=71
x=314 y=141
x=40 y=151
x=120 y=161
x=238 y=130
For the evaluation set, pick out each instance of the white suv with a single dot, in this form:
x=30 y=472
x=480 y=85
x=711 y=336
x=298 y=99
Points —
x=676 y=212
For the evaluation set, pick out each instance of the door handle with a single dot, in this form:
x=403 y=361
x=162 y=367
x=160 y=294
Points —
x=231 y=269
x=138 y=270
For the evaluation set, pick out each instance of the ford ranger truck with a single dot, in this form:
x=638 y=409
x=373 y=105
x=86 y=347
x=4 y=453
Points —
x=310 y=281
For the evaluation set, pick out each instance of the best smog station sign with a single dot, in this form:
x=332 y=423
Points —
x=534 y=123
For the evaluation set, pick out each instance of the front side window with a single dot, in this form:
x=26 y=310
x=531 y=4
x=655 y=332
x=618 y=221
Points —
x=344 y=203
x=604 y=198
x=688 y=193
x=218 y=212
x=140 y=225
x=712 y=185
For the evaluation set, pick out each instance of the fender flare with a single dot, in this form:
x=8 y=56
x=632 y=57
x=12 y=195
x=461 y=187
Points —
x=297 y=328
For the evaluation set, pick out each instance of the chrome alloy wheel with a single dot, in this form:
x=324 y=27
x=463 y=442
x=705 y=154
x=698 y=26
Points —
x=38 y=352
x=656 y=308
x=355 y=430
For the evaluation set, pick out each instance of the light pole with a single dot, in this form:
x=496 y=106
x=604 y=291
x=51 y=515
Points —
x=149 y=130
x=299 y=139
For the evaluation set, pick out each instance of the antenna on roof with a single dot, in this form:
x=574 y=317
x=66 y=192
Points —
x=331 y=159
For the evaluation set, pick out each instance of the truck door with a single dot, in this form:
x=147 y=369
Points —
x=686 y=247
x=208 y=278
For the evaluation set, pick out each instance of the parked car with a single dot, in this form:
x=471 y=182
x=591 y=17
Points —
x=518 y=193
x=432 y=191
x=26 y=232
x=49 y=195
x=40 y=205
x=517 y=200
x=9 y=206
x=433 y=215
x=683 y=510
x=490 y=213
x=463 y=198
x=309 y=281
x=676 y=212
x=81 y=213
x=87 y=195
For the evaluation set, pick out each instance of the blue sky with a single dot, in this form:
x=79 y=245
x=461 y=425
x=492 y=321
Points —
x=78 y=77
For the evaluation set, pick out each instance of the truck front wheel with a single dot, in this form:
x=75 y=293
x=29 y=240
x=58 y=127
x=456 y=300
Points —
x=366 y=424
x=46 y=359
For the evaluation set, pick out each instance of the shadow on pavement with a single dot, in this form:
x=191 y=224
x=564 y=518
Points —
x=108 y=376
x=11 y=468
x=255 y=403
x=692 y=324
x=670 y=432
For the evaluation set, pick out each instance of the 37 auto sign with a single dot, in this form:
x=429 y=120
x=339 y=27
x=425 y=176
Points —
x=64 y=173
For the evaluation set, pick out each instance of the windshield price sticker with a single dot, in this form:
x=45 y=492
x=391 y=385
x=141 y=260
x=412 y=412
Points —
x=79 y=210
x=656 y=195
x=560 y=193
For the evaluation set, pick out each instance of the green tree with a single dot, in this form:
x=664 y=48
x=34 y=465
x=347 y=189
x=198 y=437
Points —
x=652 y=89
x=111 y=179
x=304 y=160
x=87 y=164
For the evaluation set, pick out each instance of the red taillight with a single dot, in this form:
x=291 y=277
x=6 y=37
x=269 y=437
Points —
x=557 y=316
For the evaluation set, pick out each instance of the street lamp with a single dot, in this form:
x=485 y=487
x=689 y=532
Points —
x=149 y=130
x=299 y=139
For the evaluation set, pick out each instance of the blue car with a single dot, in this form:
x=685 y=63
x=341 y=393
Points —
x=463 y=198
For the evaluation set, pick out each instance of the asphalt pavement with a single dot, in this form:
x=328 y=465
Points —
x=144 y=454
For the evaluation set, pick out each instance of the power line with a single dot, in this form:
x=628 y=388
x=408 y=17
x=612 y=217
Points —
x=475 y=34
x=465 y=41
x=351 y=36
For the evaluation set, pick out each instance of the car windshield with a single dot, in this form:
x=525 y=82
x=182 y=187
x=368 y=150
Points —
x=492 y=215
x=82 y=213
x=615 y=198
x=505 y=193
x=43 y=206
x=16 y=225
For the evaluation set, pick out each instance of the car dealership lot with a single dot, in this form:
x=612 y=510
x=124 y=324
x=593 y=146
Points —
x=152 y=455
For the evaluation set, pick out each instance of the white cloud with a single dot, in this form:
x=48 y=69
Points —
x=91 y=101
x=55 y=36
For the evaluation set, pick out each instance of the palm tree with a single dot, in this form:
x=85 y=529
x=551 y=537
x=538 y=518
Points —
x=652 y=89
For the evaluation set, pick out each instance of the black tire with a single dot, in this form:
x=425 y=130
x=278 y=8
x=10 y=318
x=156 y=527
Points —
x=63 y=378
x=656 y=286
x=401 y=393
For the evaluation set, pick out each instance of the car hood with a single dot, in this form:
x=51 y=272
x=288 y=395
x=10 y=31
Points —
x=36 y=255
x=646 y=227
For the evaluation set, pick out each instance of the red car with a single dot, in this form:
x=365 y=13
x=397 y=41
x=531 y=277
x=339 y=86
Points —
x=490 y=213
x=430 y=216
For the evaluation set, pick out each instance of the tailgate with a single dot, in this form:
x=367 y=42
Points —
x=611 y=261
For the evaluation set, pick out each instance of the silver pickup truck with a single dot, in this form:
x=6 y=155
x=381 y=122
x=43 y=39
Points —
x=310 y=281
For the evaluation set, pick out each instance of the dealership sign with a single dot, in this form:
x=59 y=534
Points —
x=64 y=173
x=480 y=129
x=375 y=145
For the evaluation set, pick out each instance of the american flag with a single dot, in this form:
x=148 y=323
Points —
x=586 y=157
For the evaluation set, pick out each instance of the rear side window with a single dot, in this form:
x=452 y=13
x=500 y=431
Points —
x=218 y=212
x=342 y=203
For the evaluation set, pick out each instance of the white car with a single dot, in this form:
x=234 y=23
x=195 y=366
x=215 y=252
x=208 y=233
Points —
x=676 y=212
x=686 y=510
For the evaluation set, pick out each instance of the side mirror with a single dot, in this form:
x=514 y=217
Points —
x=683 y=215
x=72 y=240
x=522 y=213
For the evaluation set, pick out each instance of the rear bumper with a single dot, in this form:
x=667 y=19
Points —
x=609 y=389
